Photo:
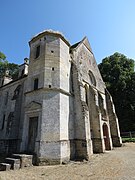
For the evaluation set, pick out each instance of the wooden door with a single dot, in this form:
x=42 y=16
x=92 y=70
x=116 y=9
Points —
x=33 y=126
x=106 y=137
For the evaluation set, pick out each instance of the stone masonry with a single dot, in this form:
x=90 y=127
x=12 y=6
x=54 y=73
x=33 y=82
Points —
x=59 y=108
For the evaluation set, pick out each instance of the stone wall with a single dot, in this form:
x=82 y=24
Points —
x=11 y=98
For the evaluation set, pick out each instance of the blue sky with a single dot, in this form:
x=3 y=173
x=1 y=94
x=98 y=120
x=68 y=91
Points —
x=108 y=24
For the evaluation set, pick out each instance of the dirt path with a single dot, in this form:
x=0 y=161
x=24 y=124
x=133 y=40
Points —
x=118 y=164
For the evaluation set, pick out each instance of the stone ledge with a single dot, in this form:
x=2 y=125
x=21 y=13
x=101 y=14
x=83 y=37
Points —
x=25 y=160
x=5 y=167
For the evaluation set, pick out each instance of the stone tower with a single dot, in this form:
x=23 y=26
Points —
x=47 y=98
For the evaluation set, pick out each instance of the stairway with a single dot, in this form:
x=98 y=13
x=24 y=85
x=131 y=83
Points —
x=16 y=161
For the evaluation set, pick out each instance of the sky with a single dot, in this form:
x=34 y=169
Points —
x=108 y=24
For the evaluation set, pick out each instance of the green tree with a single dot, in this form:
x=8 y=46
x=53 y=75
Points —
x=2 y=57
x=118 y=73
x=4 y=64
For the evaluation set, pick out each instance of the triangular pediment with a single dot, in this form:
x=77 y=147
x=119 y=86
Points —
x=33 y=106
x=84 y=41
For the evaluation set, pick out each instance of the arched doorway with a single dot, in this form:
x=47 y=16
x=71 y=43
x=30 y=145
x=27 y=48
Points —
x=106 y=137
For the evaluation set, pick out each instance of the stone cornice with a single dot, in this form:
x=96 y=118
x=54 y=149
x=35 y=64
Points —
x=50 y=89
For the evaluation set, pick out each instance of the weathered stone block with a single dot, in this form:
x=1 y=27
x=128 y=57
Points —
x=98 y=145
x=25 y=160
x=5 y=167
x=15 y=163
x=117 y=142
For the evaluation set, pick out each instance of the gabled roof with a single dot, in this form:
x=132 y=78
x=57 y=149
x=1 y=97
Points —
x=83 y=41
x=75 y=45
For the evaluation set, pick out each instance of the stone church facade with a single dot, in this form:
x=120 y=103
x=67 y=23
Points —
x=59 y=108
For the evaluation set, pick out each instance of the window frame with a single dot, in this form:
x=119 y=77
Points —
x=92 y=78
x=37 y=51
x=36 y=83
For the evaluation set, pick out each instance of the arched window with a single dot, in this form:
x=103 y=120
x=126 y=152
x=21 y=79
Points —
x=9 y=122
x=101 y=106
x=86 y=94
x=92 y=78
x=100 y=102
x=16 y=92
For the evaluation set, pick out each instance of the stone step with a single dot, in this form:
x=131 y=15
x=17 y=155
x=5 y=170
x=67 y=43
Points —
x=25 y=160
x=5 y=167
x=15 y=163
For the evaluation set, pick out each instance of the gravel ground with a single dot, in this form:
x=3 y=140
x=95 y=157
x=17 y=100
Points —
x=118 y=164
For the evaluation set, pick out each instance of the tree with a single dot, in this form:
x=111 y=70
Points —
x=2 y=57
x=4 y=64
x=118 y=73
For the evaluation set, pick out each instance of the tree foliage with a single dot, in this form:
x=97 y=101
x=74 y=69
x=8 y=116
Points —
x=118 y=73
x=2 y=56
x=4 y=65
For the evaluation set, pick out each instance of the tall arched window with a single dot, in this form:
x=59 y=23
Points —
x=101 y=106
x=92 y=78
x=100 y=102
x=86 y=94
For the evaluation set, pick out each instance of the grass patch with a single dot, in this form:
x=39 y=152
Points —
x=124 y=140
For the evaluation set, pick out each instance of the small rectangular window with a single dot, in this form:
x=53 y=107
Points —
x=37 y=51
x=3 y=122
x=6 y=98
x=35 y=83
